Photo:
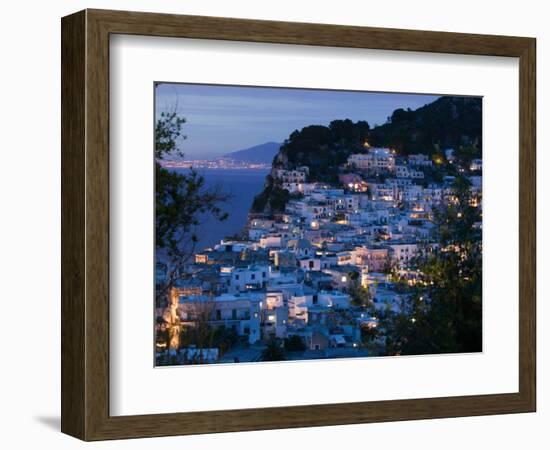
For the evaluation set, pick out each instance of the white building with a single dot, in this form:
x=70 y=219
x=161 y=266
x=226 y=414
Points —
x=275 y=322
x=298 y=306
x=450 y=155
x=310 y=263
x=301 y=247
x=299 y=187
x=291 y=176
x=383 y=191
x=274 y=299
x=271 y=240
x=412 y=193
x=402 y=253
x=476 y=164
x=375 y=159
x=407 y=172
x=402 y=171
x=232 y=246
x=255 y=234
x=238 y=312
x=386 y=298
x=250 y=277
x=333 y=299
x=420 y=160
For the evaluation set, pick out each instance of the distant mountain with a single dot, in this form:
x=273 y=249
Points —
x=263 y=153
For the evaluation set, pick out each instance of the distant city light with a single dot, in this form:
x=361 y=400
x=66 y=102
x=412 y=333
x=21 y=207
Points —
x=321 y=249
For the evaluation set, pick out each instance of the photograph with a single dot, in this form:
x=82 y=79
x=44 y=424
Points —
x=304 y=224
x=268 y=225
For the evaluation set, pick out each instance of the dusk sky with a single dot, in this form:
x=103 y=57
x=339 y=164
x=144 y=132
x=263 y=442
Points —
x=222 y=119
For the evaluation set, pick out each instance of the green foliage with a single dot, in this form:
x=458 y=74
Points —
x=295 y=344
x=456 y=219
x=465 y=153
x=353 y=276
x=273 y=352
x=204 y=335
x=360 y=296
x=224 y=338
x=369 y=334
x=162 y=335
x=272 y=199
x=167 y=359
x=181 y=201
x=167 y=133
x=449 y=122
x=445 y=314
x=433 y=175
x=322 y=149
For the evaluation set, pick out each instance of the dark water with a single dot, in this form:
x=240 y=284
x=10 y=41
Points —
x=242 y=185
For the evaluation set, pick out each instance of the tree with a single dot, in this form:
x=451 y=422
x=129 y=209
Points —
x=295 y=344
x=181 y=202
x=454 y=277
x=321 y=149
x=201 y=334
x=273 y=352
x=360 y=296
x=225 y=338
x=390 y=265
x=444 y=312
x=369 y=334
x=272 y=199
x=465 y=153
x=447 y=122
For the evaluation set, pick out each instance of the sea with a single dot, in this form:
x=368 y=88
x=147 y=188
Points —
x=242 y=185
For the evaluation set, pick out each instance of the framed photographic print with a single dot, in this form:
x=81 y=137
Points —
x=272 y=225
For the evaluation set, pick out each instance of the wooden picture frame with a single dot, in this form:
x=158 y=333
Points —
x=85 y=224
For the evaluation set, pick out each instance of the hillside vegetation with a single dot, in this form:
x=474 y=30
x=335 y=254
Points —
x=448 y=122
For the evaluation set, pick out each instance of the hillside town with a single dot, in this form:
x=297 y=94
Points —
x=312 y=281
